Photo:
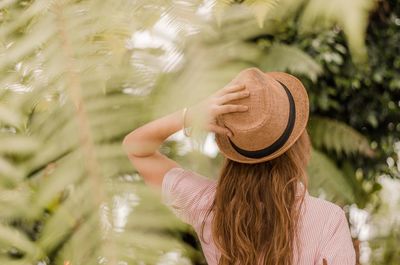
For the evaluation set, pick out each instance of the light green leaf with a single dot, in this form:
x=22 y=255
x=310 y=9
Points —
x=325 y=177
x=10 y=237
x=261 y=8
x=18 y=144
x=9 y=172
x=10 y=117
x=219 y=8
x=282 y=57
x=351 y=16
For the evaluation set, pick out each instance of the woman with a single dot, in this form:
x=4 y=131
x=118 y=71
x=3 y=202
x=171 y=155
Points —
x=259 y=210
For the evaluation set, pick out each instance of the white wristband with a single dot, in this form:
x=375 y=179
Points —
x=186 y=132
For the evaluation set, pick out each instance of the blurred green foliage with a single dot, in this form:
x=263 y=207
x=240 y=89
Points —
x=74 y=81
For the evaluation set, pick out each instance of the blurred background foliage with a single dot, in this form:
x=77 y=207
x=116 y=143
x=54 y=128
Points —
x=77 y=76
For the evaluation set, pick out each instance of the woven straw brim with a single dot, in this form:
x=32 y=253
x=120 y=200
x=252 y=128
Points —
x=300 y=97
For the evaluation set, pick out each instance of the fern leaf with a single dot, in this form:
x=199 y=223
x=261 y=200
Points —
x=9 y=172
x=352 y=17
x=12 y=238
x=281 y=57
x=219 y=8
x=9 y=117
x=261 y=8
x=18 y=144
x=337 y=136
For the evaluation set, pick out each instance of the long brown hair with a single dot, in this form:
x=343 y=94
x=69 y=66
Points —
x=256 y=208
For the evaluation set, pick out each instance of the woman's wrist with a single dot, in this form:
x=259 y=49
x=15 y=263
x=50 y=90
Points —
x=145 y=140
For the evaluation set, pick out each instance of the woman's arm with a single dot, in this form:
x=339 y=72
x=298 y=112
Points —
x=145 y=140
x=142 y=144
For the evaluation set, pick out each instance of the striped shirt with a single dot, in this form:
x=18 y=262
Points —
x=324 y=231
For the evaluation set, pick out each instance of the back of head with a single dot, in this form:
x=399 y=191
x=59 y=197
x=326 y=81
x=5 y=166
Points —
x=256 y=207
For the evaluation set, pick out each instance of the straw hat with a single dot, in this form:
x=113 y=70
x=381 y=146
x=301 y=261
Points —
x=277 y=115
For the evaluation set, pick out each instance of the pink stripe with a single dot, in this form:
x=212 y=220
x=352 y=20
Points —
x=324 y=231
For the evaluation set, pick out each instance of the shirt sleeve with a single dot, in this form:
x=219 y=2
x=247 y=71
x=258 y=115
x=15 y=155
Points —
x=337 y=246
x=186 y=193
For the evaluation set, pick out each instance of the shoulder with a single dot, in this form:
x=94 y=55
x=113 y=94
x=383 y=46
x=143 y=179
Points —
x=186 y=179
x=326 y=218
x=322 y=205
x=323 y=216
x=187 y=192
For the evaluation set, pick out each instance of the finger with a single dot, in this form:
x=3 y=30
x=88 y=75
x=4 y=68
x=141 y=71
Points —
x=230 y=89
x=228 y=108
x=232 y=96
x=219 y=130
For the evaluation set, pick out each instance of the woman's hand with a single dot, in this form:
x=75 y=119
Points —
x=204 y=113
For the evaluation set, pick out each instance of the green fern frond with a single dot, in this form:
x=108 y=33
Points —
x=219 y=8
x=337 y=136
x=352 y=17
x=10 y=237
x=281 y=57
x=314 y=15
x=9 y=117
x=259 y=8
